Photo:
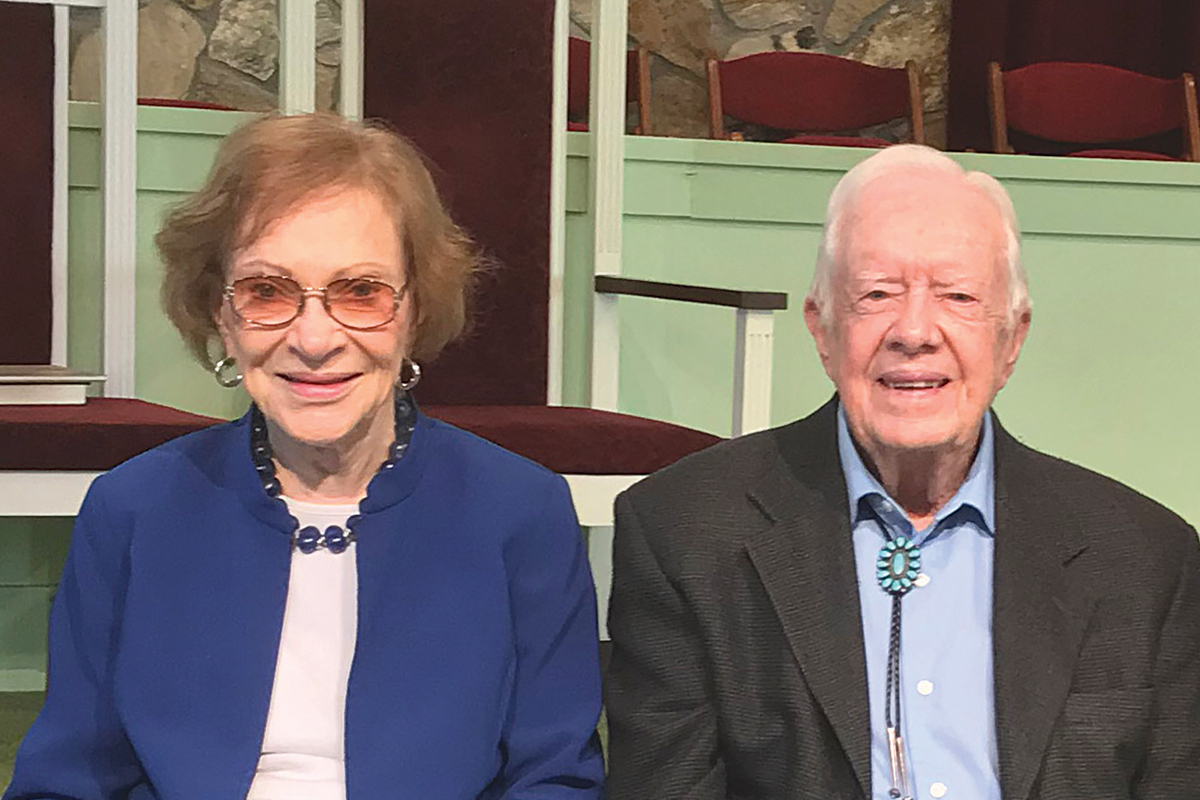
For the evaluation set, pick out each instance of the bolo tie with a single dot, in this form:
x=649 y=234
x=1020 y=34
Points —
x=897 y=568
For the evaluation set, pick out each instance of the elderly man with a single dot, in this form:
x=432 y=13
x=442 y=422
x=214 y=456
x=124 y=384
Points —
x=893 y=597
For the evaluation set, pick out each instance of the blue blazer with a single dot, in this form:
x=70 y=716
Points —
x=475 y=673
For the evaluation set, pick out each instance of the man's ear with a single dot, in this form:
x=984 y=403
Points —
x=1016 y=340
x=812 y=318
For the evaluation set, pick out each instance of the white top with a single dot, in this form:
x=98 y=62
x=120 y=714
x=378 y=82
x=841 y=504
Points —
x=303 y=748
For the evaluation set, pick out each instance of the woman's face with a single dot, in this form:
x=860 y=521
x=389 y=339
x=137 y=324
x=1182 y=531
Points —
x=316 y=380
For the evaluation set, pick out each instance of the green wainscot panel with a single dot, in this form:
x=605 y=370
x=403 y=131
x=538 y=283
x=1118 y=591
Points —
x=175 y=149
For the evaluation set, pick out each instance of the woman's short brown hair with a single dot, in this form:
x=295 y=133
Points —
x=270 y=165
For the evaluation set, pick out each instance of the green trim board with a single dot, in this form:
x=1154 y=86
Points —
x=1109 y=374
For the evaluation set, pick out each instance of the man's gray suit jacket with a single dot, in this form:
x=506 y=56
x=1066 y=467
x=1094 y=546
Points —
x=737 y=668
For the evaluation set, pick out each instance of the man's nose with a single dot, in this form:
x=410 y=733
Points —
x=915 y=329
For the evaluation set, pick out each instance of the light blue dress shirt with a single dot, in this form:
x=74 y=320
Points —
x=948 y=713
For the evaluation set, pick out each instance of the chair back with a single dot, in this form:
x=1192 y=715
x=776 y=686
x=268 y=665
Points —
x=1090 y=104
x=579 y=77
x=812 y=92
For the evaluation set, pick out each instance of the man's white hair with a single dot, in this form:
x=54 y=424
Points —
x=910 y=158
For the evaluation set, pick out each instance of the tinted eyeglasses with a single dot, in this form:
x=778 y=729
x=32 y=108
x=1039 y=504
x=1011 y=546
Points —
x=273 y=301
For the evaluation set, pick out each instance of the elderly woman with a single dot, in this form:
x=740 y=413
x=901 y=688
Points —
x=334 y=596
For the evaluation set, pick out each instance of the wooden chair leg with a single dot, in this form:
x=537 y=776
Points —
x=999 y=117
x=716 y=112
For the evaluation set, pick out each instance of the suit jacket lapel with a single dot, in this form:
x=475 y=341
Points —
x=1039 y=613
x=805 y=558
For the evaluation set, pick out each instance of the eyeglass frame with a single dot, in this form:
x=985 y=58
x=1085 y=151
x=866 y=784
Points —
x=313 y=291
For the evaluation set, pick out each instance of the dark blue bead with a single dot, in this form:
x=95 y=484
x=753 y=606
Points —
x=335 y=539
x=352 y=523
x=264 y=466
x=307 y=538
x=272 y=487
x=402 y=408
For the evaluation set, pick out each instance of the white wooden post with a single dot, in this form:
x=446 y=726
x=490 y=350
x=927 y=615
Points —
x=297 y=56
x=119 y=136
x=58 y=234
x=558 y=204
x=752 y=371
x=351 y=88
x=606 y=121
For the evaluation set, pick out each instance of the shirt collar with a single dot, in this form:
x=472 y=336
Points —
x=977 y=491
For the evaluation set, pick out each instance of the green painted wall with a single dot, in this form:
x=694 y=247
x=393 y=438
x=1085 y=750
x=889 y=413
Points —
x=1109 y=376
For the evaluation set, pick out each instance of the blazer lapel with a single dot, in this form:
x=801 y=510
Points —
x=805 y=558
x=1039 y=613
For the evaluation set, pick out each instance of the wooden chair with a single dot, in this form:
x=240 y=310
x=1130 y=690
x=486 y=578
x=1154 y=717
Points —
x=1054 y=107
x=813 y=96
x=637 y=85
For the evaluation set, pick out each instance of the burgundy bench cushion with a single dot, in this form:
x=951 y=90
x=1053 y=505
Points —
x=95 y=436
x=106 y=431
x=579 y=441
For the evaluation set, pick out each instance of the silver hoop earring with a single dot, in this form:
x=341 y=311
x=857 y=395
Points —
x=406 y=385
x=221 y=369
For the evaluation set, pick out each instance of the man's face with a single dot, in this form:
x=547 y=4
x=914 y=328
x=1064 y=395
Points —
x=918 y=341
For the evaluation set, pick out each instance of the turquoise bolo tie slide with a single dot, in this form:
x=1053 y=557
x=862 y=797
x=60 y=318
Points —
x=898 y=565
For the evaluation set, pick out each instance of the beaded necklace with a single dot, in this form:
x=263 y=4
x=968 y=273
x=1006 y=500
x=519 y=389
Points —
x=334 y=538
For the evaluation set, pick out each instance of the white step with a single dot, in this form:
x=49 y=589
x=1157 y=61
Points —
x=26 y=384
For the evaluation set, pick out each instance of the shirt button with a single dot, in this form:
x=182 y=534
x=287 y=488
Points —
x=938 y=790
x=922 y=581
x=926 y=688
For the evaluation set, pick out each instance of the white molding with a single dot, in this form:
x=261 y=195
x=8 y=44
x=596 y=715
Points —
x=297 y=56
x=752 y=371
x=83 y=3
x=606 y=121
x=353 y=50
x=58 y=235
x=119 y=136
x=594 y=495
x=43 y=494
x=558 y=206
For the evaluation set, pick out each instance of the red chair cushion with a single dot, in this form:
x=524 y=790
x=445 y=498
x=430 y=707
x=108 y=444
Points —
x=579 y=441
x=811 y=91
x=1090 y=103
x=1138 y=155
x=838 y=141
x=577 y=126
x=95 y=436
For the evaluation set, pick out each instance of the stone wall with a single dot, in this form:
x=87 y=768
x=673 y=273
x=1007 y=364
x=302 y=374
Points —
x=214 y=51
x=681 y=34
x=227 y=51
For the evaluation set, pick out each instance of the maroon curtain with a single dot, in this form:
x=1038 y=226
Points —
x=470 y=83
x=1156 y=37
x=27 y=175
